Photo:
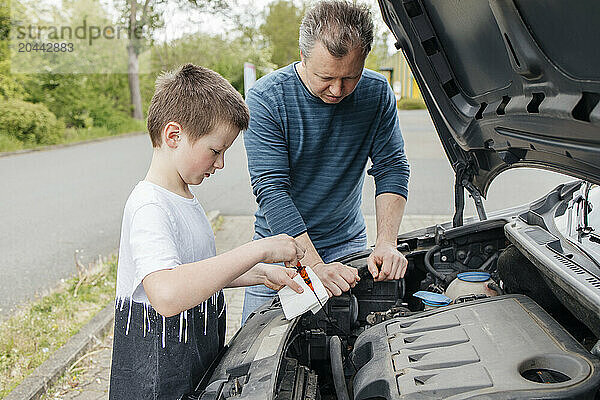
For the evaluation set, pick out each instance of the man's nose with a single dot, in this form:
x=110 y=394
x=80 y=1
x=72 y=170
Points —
x=336 y=88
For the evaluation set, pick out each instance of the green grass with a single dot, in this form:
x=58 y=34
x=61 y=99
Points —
x=411 y=104
x=77 y=135
x=217 y=224
x=73 y=135
x=32 y=334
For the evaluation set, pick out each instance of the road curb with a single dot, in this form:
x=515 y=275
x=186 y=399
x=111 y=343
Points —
x=36 y=384
x=62 y=145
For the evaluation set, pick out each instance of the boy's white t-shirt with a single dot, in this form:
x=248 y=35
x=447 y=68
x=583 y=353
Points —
x=160 y=230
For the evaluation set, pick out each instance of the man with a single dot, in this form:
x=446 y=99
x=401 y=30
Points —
x=313 y=126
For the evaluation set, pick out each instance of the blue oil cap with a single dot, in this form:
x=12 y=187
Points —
x=433 y=299
x=430 y=304
x=474 y=276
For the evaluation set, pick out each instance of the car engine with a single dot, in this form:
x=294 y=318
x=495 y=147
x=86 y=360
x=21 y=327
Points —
x=506 y=336
x=494 y=309
x=505 y=346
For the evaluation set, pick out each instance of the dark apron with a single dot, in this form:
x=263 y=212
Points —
x=151 y=365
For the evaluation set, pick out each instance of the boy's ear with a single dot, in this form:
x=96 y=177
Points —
x=172 y=134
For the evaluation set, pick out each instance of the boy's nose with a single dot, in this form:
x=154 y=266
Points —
x=220 y=162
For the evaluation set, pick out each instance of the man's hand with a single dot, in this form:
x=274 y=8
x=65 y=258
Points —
x=336 y=277
x=276 y=277
x=386 y=262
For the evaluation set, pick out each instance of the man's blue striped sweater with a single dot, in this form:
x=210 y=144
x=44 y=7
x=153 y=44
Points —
x=307 y=158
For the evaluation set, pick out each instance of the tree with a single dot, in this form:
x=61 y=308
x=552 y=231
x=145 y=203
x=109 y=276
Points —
x=142 y=18
x=281 y=29
x=10 y=87
x=379 y=55
x=224 y=54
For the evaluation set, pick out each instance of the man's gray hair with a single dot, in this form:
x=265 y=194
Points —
x=340 y=26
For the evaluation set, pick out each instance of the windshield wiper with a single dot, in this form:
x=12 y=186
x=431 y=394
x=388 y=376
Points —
x=583 y=209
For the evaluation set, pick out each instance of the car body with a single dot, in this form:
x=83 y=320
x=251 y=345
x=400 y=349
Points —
x=508 y=83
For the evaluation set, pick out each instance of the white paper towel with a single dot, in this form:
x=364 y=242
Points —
x=295 y=304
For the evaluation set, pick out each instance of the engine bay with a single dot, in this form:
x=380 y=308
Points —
x=513 y=323
x=507 y=336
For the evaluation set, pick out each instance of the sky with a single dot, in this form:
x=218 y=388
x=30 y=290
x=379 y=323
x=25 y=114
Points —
x=180 y=21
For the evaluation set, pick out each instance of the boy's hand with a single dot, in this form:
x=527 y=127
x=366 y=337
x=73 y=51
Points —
x=281 y=248
x=276 y=277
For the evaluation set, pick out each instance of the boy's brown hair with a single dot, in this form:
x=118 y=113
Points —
x=198 y=99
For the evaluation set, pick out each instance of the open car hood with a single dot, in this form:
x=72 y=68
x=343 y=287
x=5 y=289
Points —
x=508 y=83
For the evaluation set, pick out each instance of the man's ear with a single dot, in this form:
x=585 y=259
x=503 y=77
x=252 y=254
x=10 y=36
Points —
x=171 y=134
x=302 y=59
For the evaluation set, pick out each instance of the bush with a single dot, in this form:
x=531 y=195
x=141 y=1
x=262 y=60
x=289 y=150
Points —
x=411 y=104
x=222 y=54
x=9 y=143
x=83 y=101
x=30 y=123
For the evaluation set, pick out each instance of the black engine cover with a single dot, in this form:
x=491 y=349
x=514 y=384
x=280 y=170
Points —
x=501 y=347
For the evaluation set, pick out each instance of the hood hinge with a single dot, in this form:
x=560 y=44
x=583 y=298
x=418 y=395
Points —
x=464 y=175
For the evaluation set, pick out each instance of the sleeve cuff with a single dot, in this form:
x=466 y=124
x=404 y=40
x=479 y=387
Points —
x=403 y=193
x=400 y=188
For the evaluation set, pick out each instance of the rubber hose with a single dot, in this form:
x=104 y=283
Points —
x=488 y=262
x=337 y=368
x=428 y=265
x=496 y=288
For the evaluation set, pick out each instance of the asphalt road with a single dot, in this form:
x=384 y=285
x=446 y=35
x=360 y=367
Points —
x=58 y=201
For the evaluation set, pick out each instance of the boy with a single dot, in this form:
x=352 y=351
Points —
x=170 y=309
